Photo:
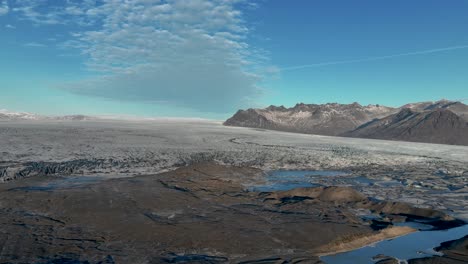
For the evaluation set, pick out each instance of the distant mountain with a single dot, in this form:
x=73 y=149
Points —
x=6 y=115
x=437 y=125
x=326 y=119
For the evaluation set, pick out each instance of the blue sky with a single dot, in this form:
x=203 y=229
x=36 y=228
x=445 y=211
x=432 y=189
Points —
x=207 y=58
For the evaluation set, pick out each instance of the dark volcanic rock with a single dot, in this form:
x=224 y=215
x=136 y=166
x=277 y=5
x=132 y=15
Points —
x=439 y=220
x=326 y=119
x=431 y=126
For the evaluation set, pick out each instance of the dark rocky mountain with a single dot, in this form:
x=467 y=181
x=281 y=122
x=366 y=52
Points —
x=327 y=119
x=458 y=108
x=437 y=125
x=432 y=122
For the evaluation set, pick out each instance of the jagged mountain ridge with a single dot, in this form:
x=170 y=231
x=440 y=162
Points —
x=327 y=119
x=439 y=125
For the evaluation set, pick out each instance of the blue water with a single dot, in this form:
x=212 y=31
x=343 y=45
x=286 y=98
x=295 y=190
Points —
x=415 y=245
x=362 y=180
x=283 y=180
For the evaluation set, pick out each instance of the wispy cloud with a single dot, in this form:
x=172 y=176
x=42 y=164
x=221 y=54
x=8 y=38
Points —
x=10 y=26
x=45 y=12
x=35 y=45
x=4 y=8
x=377 y=58
x=189 y=53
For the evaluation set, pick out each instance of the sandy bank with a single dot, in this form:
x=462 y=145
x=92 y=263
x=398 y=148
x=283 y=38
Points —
x=348 y=243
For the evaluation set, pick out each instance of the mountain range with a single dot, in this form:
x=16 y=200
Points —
x=6 y=115
x=327 y=119
x=443 y=122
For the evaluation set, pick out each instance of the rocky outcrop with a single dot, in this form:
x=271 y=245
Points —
x=399 y=208
x=398 y=212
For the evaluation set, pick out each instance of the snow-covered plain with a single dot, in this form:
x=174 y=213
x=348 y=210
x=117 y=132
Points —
x=171 y=141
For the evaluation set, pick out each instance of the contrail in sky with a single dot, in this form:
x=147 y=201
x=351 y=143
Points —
x=421 y=52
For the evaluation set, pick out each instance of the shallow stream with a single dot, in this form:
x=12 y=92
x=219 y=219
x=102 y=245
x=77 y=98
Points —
x=415 y=245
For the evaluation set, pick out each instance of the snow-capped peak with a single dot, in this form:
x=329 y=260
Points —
x=5 y=114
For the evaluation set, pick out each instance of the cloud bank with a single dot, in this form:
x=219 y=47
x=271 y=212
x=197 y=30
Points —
x=190 y=53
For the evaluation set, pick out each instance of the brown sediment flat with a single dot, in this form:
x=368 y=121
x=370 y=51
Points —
x=349 y=243
x=196 y=214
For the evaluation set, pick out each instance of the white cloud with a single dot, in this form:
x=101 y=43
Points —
x=4 y=9
x=188 y=53
x=10 y=26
